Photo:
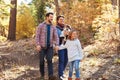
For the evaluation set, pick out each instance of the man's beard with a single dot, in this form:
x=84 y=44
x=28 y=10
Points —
x=50 y=21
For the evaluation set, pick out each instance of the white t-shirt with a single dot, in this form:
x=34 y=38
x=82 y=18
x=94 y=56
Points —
x=74 y=49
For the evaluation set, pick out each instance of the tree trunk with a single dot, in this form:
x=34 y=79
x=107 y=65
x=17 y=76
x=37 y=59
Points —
x=119 y=14
x=12 y=22
x=57 y=7
x=118 y=48
x=114 y=2
x=68 y=10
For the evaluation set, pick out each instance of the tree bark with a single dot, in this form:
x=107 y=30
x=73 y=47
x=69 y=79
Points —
x=68 y=10
x=114 y=2
x=57 y=7
x=119 y=16
x=118 y=48
x=12 y=22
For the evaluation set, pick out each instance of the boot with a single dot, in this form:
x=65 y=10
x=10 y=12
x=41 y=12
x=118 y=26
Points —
x=77 y=79
x=69 y=78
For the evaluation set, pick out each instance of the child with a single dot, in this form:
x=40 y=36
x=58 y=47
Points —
x=65 y=33
x=74 y=53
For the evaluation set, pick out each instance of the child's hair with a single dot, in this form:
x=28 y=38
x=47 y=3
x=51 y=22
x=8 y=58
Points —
x=70 y=34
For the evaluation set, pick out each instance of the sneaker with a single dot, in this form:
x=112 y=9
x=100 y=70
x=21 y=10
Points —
x=63 y=75
x=61 y=78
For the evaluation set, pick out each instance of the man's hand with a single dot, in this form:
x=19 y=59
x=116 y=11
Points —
x=38 y=48
x=56 y=48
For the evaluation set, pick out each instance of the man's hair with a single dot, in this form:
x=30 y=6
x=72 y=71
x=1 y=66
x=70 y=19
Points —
x=48 y=14
x=58 y=17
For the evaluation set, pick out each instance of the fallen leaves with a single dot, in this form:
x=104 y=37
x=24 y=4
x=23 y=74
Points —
x=117 y=61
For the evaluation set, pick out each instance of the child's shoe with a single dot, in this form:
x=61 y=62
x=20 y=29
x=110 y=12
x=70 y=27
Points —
x=77 y=79
x=69 y=78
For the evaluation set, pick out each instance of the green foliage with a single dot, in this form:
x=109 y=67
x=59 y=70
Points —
x=98 y=1
x=4 y=17
x=63 y=0
x=33 y=13
x=25 y=23
x=80 y=15
x=83 y=38
x=105 y=25
x=2 y=39
x=4 y=9
x=41 y=12
x=39 y=6
x=117 y=61
x=80 y=0
x=97 y=51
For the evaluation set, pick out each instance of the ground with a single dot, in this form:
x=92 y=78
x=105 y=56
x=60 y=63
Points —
x=20 y=61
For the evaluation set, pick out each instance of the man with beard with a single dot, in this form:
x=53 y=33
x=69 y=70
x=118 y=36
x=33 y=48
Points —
x=46 y=37
x=62 y=30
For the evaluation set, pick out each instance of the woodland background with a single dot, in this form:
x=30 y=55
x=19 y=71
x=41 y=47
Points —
x=99 y=32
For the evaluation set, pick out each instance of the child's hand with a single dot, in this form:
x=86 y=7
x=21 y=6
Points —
x=38 y=48
x=81 y=60
x=56 y=48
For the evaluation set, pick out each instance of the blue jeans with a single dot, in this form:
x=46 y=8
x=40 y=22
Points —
x=48 y=54
x=74 y=64
x=63 y=59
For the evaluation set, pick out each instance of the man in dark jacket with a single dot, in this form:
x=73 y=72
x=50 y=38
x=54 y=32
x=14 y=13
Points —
x=62 y=54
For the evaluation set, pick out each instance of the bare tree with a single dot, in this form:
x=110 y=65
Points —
x=119 y=16
x=118 y=48
x=12 y=22
x=57 y=7
x=114 y=2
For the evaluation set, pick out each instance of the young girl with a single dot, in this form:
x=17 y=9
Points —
x=75 y=53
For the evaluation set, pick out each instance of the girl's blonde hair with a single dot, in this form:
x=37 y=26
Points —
x=70 y=34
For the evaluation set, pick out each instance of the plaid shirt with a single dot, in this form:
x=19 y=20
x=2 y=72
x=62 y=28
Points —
x=41 y=35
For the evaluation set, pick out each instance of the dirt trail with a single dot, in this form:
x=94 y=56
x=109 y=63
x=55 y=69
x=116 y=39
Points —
x=19 y=61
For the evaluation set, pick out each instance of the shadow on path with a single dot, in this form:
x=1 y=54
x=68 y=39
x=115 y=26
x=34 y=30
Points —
x=108 y=71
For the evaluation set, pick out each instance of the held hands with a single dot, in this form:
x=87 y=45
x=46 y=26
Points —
x=38 y=48
x=81 y=60
x=56 y=48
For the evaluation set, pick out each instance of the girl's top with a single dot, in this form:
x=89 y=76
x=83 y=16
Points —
x=74 y=49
